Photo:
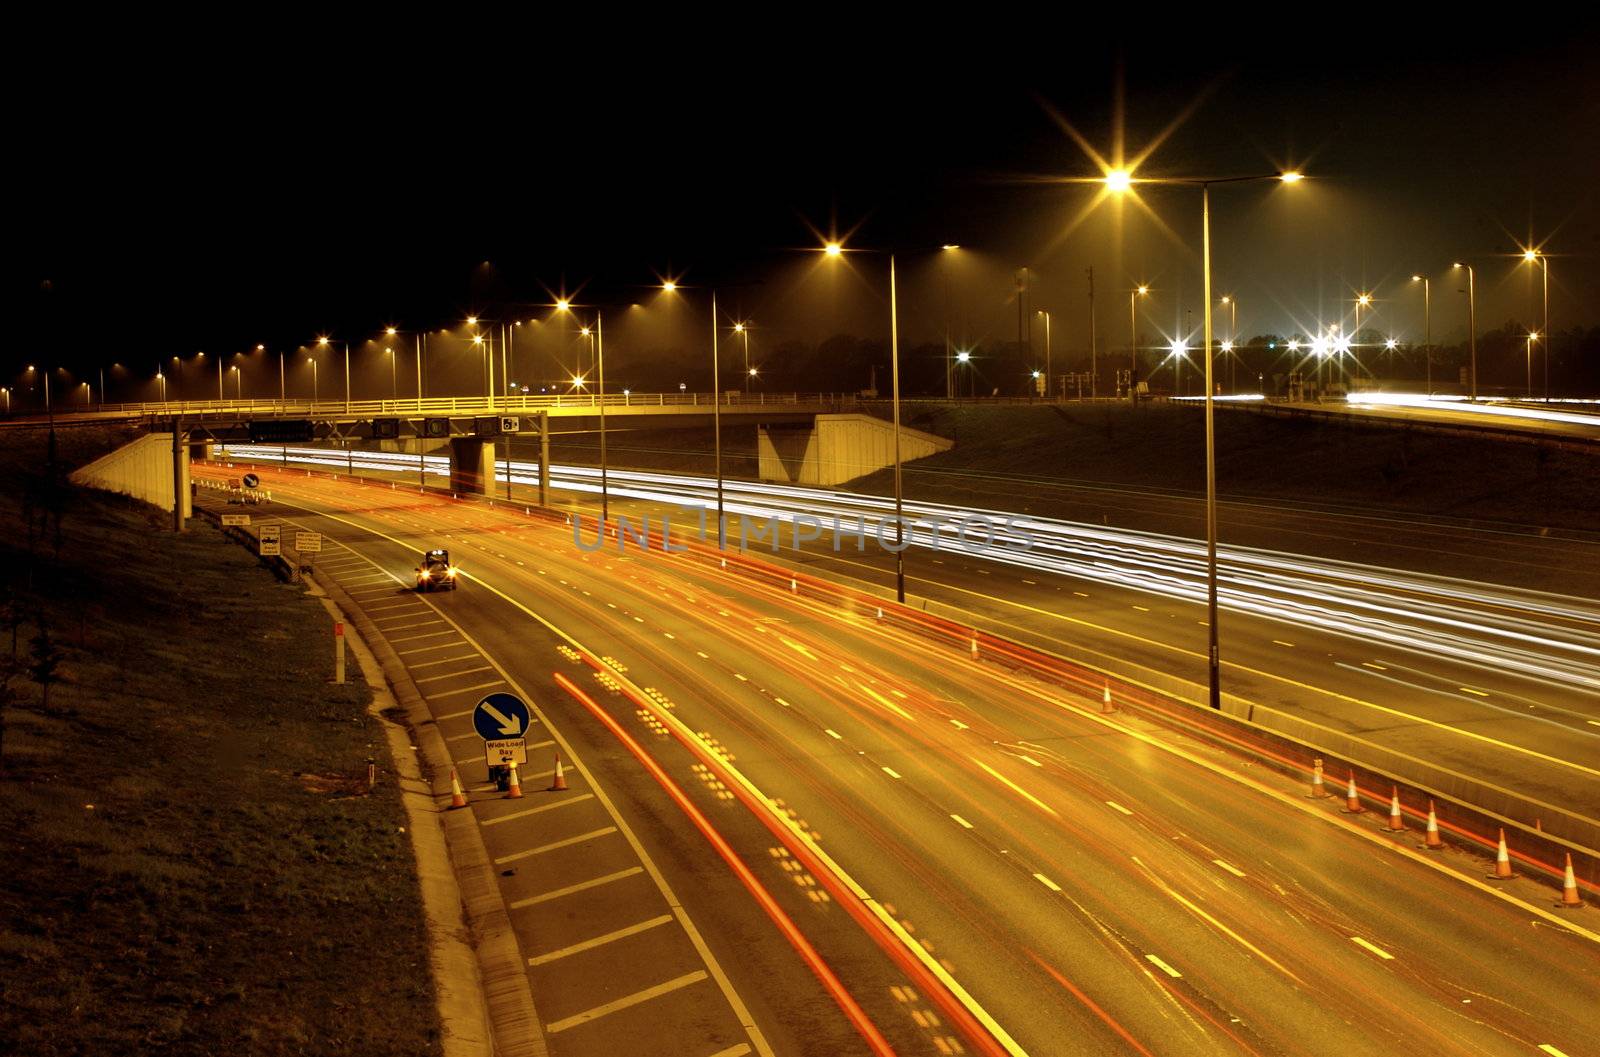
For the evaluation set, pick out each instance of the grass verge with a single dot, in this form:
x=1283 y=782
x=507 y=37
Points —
x=194 y=864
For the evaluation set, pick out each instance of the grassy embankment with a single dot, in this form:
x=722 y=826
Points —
x=193 y=863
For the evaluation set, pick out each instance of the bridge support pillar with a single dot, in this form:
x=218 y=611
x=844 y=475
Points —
x=472 y=465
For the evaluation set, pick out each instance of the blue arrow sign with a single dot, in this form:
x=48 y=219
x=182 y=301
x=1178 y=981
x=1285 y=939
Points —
x=500 y=716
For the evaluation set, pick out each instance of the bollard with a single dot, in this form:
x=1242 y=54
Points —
x=372 y=775
x=338 y=652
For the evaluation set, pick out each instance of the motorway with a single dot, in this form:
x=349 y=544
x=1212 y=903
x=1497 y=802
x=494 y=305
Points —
x=967 y=860
x=1493 y=680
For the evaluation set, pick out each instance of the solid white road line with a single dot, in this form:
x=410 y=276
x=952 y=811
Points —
x=1379 y=951
x=462 y=690
x=1117 y=807
x=1042 y=879
x=1163 y=966
x=963 y=823
x=555 y=845
x=557 y=1026
x=601 y=941
x=452 y=675
x=1229 y=867
x=536 y=810
x=579 y=887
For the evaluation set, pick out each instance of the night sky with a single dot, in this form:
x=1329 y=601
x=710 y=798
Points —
x=214 y=204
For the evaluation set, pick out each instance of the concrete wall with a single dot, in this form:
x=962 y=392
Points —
x=471 y=465
x=838 y=448
x=141 y=469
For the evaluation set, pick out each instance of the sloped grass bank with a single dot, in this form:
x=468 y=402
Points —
x=192 y=861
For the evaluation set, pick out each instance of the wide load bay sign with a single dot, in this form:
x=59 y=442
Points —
x=501 y=720
x=308 y=542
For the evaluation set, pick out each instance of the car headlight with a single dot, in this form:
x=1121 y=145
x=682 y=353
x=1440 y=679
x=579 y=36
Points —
x=451 y=572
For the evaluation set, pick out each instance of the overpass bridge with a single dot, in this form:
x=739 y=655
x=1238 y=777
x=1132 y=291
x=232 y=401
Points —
x=803 y=438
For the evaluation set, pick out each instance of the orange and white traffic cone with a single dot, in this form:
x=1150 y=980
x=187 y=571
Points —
x=1397 y=821
x=515 y=792
x=974 y=646
x=1318 y=790
x=1352 y=799
x=794 y=586
x=1502 y=860
x=457 y=797
x=1106 y=707
x=1433 y=840
x=880 y=614
x=560 y=782
x=1569 y=887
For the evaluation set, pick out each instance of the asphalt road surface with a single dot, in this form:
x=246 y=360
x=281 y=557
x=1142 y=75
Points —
x=968 y=860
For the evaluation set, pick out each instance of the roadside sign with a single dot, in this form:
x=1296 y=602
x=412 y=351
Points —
x=503 y=751
x=251 y=480
x=510 y=424
x=269 y=540
x=500 y=716
x=308 y=542
x=236 y=519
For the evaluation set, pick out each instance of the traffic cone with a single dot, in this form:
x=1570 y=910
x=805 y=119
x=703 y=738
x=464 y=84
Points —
x=974 y=645
x=1106 y=707
x=794 y=588
x=1433 y=840
x=1397 y=821
x=1569 y=887
x=1318 y=790
x=457 y=797
x=560 y=782
x=1502 y=860
x=515 y=792
x=1352 y=799
x=880 y=614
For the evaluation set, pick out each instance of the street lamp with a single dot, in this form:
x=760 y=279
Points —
x=744 y=331
x=238 y=383
x=1533 y=256
x=1533 y=336
x=598 y=342
x=1047 y=390
x=1472 y=324
x=1427 y=328
x=1362 y=301
x=671 y=287
x=1133 y=335
x=394 y=371
x=1119 y=180
x=1233 y=336
x=833 y=249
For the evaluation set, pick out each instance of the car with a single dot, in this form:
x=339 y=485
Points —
x=436 y=573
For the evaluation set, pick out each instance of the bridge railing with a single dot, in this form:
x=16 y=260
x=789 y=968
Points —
x=471 y=405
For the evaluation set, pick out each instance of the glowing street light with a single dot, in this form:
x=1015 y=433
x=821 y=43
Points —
x=1533 y=336
x=1533 y=256
x=750 y=372
x=1427 y=328
x=1133 y=335
x=1472 y=324
x=1118 y=181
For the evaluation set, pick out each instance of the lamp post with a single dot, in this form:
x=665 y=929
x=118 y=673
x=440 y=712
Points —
x=1533 y=336
x=238 y=383
x=314 y=384
x=1427 y=328
x=964 y=358
x=1120 y=179
x=741 y=329
x=1048 y=392
x=1362 y=301
x=949 y=248
x=1472 y=326
x=835 y=250
x=1535 y=257
x=1133 y=335
x=1233 y=339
